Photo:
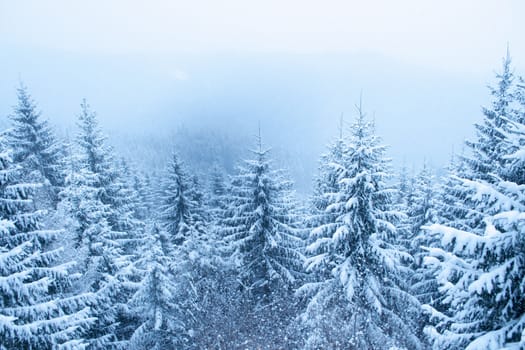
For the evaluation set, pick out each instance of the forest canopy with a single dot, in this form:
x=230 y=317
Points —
x=97 y=252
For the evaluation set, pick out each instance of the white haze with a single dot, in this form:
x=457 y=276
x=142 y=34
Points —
x=293 y=66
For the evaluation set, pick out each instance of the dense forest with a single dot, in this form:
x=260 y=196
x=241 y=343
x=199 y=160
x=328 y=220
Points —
x=96 y=253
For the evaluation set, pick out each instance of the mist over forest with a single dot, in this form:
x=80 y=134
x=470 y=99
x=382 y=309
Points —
x=296 y=98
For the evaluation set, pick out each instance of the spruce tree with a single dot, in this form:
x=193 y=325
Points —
x=38 y=309
x=481 y=261
x=97 y=158
x=358 y=300
x=489 y=147
x=194 y=250
x=112 y=180
x=326 y=181
x=261 y=231
x=261 y=227
x=142 y=199
x=417 y=241
x=35 y=147
x=421 y=210
x=161 y=301
x=97 y=198
x=404 y=186
x=97 y=250
x=180 y=210
x=217 y=192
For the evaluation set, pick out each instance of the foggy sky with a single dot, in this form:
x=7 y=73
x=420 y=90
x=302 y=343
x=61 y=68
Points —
x=421 y=66
x=448 y=34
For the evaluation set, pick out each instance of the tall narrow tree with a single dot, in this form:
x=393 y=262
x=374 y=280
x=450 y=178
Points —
x=262 y=235
x=261 y=227
x=180 y=210
x=105 y=230
x=358 y=301
x=161 y=300
x=35 y=147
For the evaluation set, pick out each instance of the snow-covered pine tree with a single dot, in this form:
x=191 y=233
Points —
x=481 y=277
x=514 y=170
x=37 y=308
x=261 y=228
x=216 y=205
x=196 y=258
x=422 y=212
x=143 y=198
x=357 y=301
x=482 y=261
x=125 y=202
x=98 y=159
x=451 y=202
x=35 y=147
x=489 y=146
x=97 y=250
x=106 y=231
x=519 y=94
x=130 y=206
x=196 y=267
x=404 y=186
x=115 y=185
x=329 y=171
x=217 y=184
x=404 y=202
x=180 y=210
x=217 y=188
x=161 y=301
x=326 y=183
x=262 y=236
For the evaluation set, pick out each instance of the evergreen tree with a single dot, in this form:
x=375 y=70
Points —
x=358 y=301
x=125 y=202
x=480 y=274
x=195 y=255
x=37 y=308
x=181 y=211
x=99 y=201
x=489 y=147
x=326 y=185
x=519 y=94
x=262 y=236
x=143 y=199
x=422 y=212
x=97 y=250
x=35 y=147
x=514 y=170
x=261 y=227
x=481 y=261
x=329 y=170
x=404 y=203
x=97 y=158
x=450 y=196
x=114 y=187
x=405 y=186
x=218 y=188
x=160 y=301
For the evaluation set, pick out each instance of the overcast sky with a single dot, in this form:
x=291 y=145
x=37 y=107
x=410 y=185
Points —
x=448 y=34
x=422 y=66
